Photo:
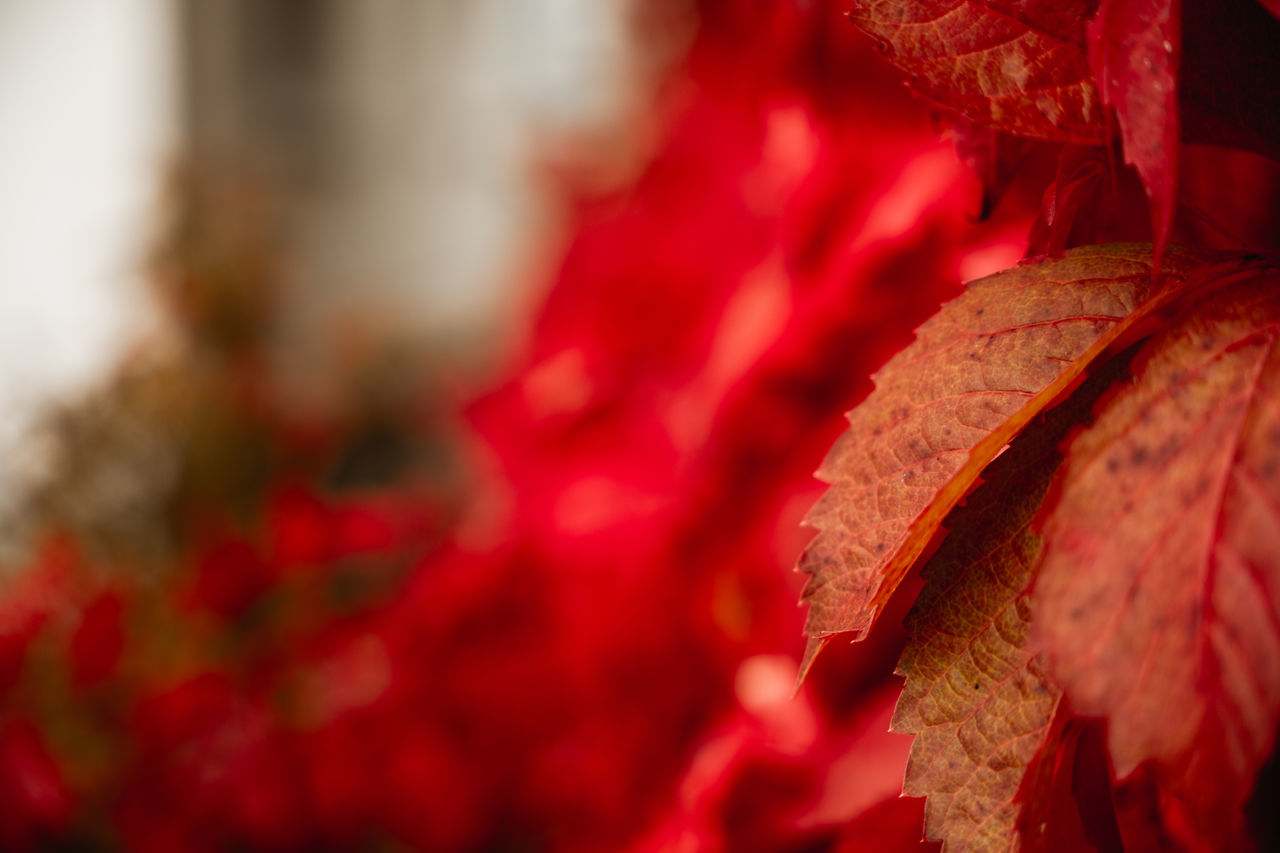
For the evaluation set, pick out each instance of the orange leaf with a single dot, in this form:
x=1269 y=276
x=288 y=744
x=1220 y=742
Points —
x=944 y=407
x=1158 y=597
x=975 y=697
x=1019 y=67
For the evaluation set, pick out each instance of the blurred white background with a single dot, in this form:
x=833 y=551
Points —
x=424 y=113
x=87 y=119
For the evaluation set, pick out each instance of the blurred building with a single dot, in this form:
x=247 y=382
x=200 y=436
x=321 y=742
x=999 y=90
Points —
x=399 y=134
x=392 y=139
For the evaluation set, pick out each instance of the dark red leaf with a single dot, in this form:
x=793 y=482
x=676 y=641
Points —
x=1019 y=67
x=977 y=700
x=1135 y=48
x=1172 y=502
x=977 y=373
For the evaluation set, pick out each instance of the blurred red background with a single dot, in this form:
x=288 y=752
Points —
x=555 y=612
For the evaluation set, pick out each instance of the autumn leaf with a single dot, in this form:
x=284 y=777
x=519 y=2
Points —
x=1134 y=48
x=976 y=698
x=1071 y=201
x=1019 y=67
x=1157 y=600
x=976 y=374
x=1067 y=800
x=1049 y=71
x=1197 y=71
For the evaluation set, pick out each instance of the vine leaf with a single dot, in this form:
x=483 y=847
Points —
x=1157 y=600
x=975 y=697
x=1016 y=66
x=1135 y=47
x=977 y=701
x=1049 y=71
x=944 y=407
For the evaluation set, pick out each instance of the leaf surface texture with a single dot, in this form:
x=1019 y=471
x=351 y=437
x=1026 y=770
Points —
x=1021 y=67
x=942 y=409
x=1158 y=598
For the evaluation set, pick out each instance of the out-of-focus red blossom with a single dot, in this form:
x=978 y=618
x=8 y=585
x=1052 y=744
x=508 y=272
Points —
x=600 y=656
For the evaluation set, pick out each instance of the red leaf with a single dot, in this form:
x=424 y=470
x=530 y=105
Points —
x=1070 y=203
x=1019 y=67
x=975 y=697
x=1135 y=47
x=1066 y=794
x=942 y=409
x=1172 y=504
x=1023 y=69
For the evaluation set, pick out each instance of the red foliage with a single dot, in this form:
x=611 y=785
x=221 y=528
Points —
x=594 y=647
